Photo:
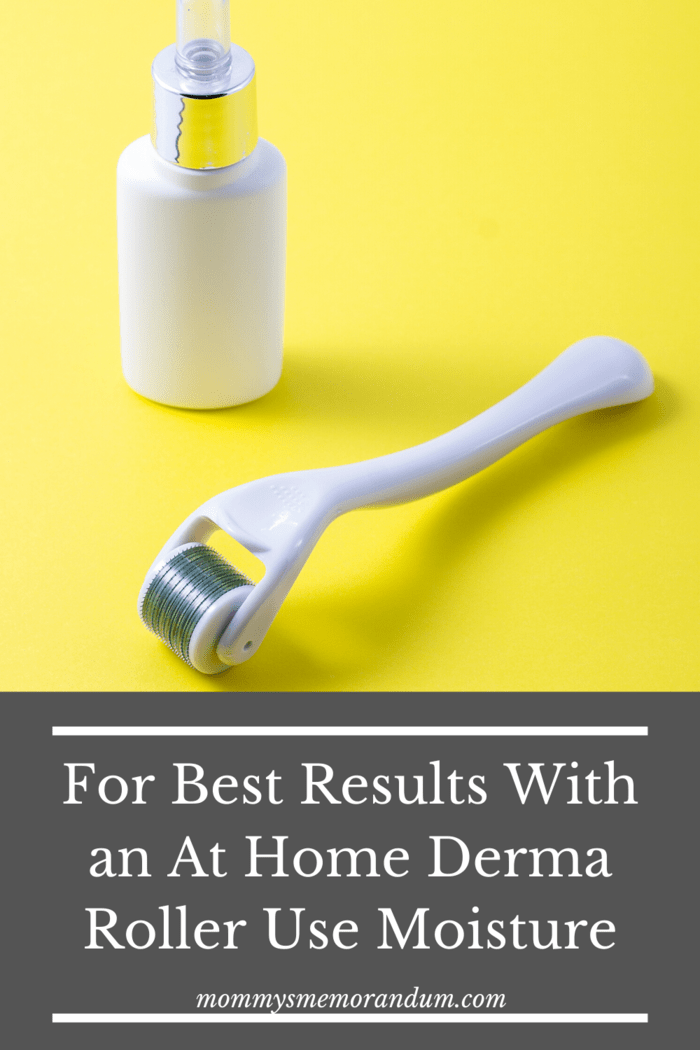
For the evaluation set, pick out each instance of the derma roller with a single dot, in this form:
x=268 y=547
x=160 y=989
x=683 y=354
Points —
x=214 y=617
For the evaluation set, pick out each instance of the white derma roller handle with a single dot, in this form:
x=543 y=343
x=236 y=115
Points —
x=598 y=372
x=594 y=373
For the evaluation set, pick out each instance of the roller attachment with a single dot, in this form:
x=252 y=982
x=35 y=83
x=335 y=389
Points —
x=182 y=590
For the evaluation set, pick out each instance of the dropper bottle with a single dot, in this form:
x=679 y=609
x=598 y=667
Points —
x=201 y=223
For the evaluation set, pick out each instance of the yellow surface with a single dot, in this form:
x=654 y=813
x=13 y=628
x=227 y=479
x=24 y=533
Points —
x=472 y=187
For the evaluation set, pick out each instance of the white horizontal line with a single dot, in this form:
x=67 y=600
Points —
x=350 y=731
x=371 y=1018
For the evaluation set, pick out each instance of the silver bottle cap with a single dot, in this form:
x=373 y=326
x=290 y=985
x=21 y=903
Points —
x=199 y=124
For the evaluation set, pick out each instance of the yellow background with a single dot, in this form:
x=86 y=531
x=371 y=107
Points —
x=472 y=187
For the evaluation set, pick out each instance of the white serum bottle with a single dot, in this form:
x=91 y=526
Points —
x=201 y=227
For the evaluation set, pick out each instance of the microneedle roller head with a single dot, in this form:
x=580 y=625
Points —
x=190 y=597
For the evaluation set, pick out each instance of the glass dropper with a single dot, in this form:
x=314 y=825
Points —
x=203 y=40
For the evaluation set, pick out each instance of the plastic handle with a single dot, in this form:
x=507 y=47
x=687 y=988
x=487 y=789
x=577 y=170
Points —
x=598 y=372
x=593 y=373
